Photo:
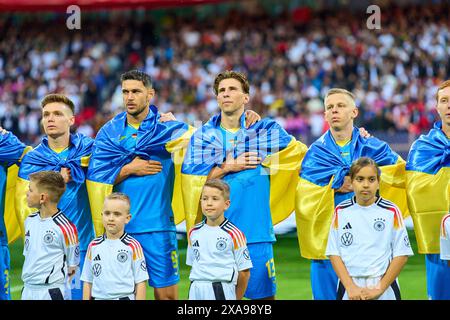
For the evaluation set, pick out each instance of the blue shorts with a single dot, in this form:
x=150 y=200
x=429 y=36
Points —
x=161 y=257
x=5 y=293
x=324 y=281
x=438 y=277
x=262 y=282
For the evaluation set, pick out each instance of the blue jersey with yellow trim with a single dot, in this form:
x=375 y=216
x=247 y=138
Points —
x=249 y=193
x=151 y=211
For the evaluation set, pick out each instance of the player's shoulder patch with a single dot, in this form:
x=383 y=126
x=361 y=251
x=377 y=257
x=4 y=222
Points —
x=386 y=204
x=346 y=203
x=67 y=228
x=238 y=237
x=196 y=227
x=390 y=206
x=97 y=240
x=134 y=245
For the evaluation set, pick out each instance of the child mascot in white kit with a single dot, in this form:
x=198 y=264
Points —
x=368 y=244
x=217 y=250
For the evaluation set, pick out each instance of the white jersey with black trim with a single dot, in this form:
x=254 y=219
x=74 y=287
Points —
x=51 y=246
x=114 y=267
x=368 y=238
x=217 y=253
x=445 y=237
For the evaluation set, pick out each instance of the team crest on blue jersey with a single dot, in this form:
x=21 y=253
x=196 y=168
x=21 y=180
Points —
x=379 y=224
x=122 y=256
x=49 y=236
x=221 y=244
x=347 y=239
x=96 y=269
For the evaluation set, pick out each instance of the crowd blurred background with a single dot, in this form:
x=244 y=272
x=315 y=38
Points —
x=292 y=55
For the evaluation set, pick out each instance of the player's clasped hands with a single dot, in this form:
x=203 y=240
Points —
x=247 y=160
x=141 y=167
x=355 y=293
x=358 y=293
x=371 y=293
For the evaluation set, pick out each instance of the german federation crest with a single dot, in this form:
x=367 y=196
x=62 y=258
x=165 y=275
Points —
x=48 y=237
x=379 y=224
x=122 y=256
x=221 y=245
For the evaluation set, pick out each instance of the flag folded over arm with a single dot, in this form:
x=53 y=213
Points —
x=323 y=171
x=11 y=151
x=428 y=186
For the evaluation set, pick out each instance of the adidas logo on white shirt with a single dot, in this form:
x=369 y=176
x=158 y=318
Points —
x=347 y=226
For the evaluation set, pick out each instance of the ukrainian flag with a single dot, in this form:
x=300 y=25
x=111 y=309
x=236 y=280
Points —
x=44 y=158
x=12 y=150
x=428 y=186
x=281 y=154
x=323 y=171
x=109 y=156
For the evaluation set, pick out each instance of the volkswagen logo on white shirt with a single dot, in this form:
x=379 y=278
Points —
x=96 y=269
x=196 y=254
x=347 y=239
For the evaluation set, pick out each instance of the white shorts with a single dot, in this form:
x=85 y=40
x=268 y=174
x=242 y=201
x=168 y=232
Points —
x=129 y=297
x=391 y=293
x=207 y=290
x=57 y=292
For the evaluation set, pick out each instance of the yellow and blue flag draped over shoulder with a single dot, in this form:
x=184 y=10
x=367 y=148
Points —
x=281 y=155
x=154 y=140
x=43 y=158
x=323 y=171
x=428 y=186
x=11 y=150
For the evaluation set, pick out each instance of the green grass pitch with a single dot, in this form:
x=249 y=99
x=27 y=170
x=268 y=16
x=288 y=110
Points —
x=292 y=272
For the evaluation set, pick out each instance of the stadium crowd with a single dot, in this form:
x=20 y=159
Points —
x=291 y=59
